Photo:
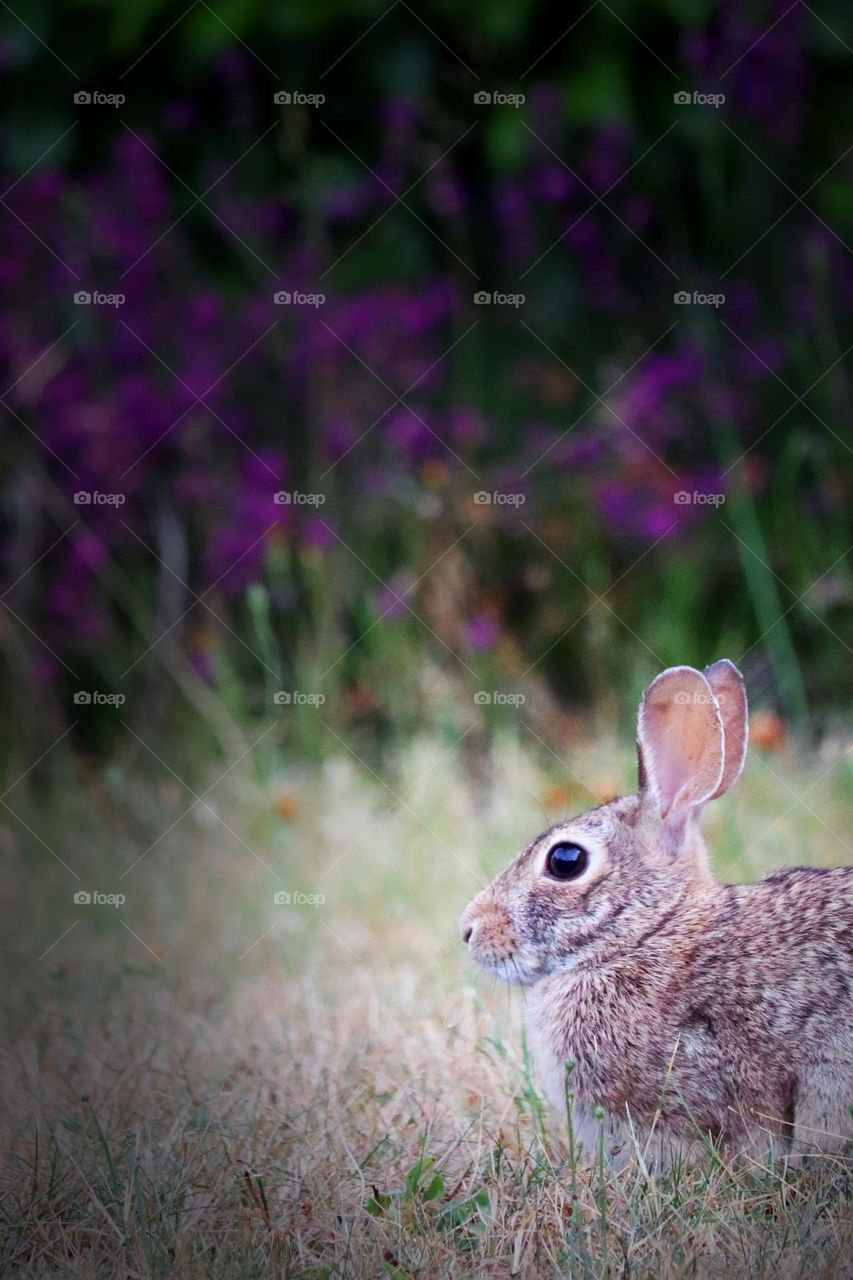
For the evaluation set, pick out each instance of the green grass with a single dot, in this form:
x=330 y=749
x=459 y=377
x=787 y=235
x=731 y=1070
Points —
x=203 y=1083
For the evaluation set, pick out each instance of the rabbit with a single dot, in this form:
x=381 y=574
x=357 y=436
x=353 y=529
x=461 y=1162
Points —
x=668 y=1009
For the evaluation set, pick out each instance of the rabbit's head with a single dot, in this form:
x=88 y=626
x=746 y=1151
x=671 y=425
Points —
x=602 y=882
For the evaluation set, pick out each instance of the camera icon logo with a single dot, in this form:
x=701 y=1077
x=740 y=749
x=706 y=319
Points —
x=282 y=698
x=482 y=697
x=282 y=298
x=681 y=298
x=82 y=97
x=82 y=898
x=681 y=99
x=82 y=498
x=482 y=97
x=283 y=98
x=282 y=898
x=282 y=498
x=681 y=498
x=482 y=498
x=82 y=698
x=482 y=298
x=82 y=298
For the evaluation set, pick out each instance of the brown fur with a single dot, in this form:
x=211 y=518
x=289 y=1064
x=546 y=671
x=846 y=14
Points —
x=685 y=1008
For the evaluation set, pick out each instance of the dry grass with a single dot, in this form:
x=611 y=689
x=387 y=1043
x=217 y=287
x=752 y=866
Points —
x=324 y=1090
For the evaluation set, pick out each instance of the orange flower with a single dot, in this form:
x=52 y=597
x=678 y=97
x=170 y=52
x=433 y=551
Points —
x=433 y=474
x=557 y=797
x=605 y=789
x=286 y=805
x=767 y=731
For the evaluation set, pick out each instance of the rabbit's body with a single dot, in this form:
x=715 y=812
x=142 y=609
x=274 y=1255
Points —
x=684 y=1008
x=735 y=1020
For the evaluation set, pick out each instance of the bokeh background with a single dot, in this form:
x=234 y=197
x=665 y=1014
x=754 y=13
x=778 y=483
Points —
x=397 y=399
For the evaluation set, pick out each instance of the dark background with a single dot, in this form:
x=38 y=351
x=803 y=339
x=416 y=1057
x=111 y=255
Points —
x=597 y=399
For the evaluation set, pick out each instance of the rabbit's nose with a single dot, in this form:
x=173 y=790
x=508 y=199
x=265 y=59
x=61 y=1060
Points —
x=466 y=923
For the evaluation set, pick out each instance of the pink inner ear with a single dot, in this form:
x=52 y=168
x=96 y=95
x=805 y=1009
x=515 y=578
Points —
x=680 y=733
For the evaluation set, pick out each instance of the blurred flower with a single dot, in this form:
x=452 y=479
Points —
x=649 y=399
x=202 y=664
x=179 y=115
x=554 y=183
x=446 y=193
x=467 y=426
x=344 y=201
x=605 y=787
x=398 y=115
x=286 y=805
x=606 y=158
x=359 y=701
x=433 y=474
x=630 y=509
x=391 y=600
x=766 y=55
x=338 y=438
x=43 y=670
x=767 y=731
x=318 y=533
x=87 y=552
x=558 y=797
x=481 y=632
x=409 y=432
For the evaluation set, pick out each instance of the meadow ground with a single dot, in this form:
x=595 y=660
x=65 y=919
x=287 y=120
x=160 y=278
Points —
x=205 y=1082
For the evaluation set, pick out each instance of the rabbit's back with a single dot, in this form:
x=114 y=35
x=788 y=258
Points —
x=772 y=986
x=776 y=963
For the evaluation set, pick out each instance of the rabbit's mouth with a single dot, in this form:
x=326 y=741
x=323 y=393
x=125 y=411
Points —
x=493 y=947
x=512 y=970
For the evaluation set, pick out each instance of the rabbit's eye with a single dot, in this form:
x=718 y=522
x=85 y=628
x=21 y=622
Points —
x=567 y=861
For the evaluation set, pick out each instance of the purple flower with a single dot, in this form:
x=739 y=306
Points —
x=554 y=183
x=391 y=600
x=179 y=115
x=318 y=533
x=409 y=433
x=481 y=632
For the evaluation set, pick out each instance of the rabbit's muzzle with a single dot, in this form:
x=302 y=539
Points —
x=487 y=929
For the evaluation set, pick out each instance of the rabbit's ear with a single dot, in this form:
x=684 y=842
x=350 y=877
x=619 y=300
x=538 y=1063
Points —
x=730 y=692
x=680 y=740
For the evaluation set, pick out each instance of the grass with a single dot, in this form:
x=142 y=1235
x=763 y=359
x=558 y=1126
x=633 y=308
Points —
x=203 y=1083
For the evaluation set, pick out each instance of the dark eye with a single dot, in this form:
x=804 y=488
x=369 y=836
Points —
x=567 y=861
